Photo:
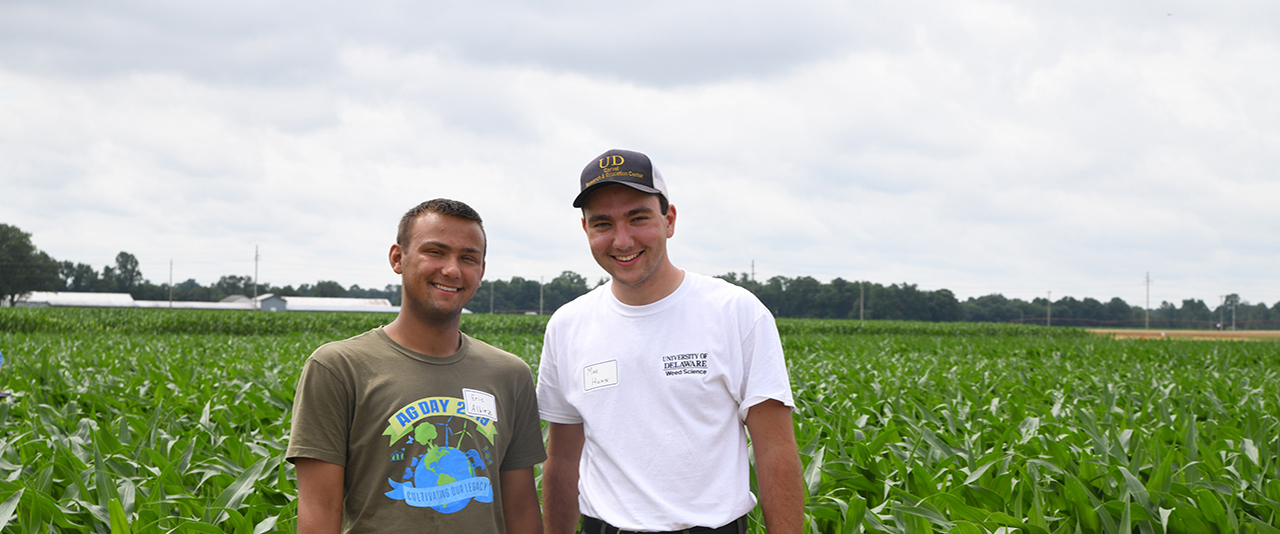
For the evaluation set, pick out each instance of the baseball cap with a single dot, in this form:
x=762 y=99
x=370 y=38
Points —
x=625 y=167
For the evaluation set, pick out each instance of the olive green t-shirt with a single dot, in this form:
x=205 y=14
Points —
x=422 y=438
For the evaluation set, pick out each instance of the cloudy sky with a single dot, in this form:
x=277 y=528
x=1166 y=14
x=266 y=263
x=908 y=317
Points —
x=985 y=147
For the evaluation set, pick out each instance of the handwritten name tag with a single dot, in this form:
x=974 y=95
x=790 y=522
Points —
x=600 y=375
x=480 y=404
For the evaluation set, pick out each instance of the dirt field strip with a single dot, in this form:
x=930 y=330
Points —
x=1227 y=335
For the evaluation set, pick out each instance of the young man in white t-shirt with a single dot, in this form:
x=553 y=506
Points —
x=652 y=382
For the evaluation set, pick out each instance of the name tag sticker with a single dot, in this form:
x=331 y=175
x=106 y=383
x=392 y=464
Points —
x=600 y=375
x=480 y=404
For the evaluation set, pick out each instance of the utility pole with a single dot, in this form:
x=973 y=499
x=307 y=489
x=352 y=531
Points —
x=170 y=283
x=540 y=295
x=1146 y=310
x=1222 y=309
x=1233 y=312
x=255 y=277
x=753 y=270
x=1048 y=311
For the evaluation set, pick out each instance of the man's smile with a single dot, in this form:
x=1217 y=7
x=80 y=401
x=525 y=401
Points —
x=628 y=258
x=446 y=288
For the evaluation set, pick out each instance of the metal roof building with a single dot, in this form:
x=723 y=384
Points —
x=48 y=299
x=338 y=304
x=268 y=302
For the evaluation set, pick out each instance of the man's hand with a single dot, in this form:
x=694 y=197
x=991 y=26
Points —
x=319 y=496
x=560 y=478
x=778 y=472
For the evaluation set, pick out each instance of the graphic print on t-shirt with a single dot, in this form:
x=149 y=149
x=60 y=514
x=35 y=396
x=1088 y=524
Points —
x=441 y=439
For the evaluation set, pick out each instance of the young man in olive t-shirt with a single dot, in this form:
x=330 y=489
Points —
x=415 y=425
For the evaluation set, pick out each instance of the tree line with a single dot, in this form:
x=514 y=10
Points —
x=841 y=299
x=24 y=268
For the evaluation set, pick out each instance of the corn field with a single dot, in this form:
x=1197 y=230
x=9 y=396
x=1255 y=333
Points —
x=1037 y=434
x=145 y=421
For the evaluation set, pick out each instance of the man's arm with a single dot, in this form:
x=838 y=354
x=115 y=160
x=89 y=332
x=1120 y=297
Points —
x=560 y=478
x=778 y=472
x=319 y=496
x=520 y=502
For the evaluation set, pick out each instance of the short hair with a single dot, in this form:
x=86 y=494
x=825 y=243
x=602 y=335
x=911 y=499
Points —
x=442 y=206
x=662 y=203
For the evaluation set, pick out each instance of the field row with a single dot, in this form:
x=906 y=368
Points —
x=913 y=434
x=339 y=325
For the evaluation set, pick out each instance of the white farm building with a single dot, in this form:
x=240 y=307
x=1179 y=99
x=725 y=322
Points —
x=268 y=302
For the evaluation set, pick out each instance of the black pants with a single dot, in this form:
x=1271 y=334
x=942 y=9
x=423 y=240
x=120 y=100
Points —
x=591 y=525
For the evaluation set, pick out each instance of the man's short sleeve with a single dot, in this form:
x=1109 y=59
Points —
x=526 y=446
x=764 y=367
x=322 y=411
x=552 y=405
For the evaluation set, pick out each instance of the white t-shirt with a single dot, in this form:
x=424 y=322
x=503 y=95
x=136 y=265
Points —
x=662 y=391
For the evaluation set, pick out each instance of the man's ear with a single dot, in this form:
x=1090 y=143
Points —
x=396 y=256
x=671 y=220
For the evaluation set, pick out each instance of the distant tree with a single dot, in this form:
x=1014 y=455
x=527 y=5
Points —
x=1232 y=308
x=286 y=291
x=521 y=294
x=837 y=300
x=944 y=307
x=1252 y=315
x=390 y=292
x=562 y=289
x=990 y=308
x=899 y=303
x=1194 y=313
x=772 y=293
x=234 y=285
x=127 y=273
x=23 y=267
x=1118 y=310
x=79 y=277
x=149 y=291
x=108 y=284
x=740 y=279
x=191 y=290
x=799 y=299
x=328 y=288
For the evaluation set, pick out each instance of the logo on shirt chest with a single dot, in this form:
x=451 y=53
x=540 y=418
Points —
x=685 y=364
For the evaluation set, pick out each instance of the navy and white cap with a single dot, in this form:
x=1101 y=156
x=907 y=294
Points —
x=625 y=167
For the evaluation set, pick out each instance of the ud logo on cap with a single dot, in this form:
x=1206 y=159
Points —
x=626 y=167
x=611 y=161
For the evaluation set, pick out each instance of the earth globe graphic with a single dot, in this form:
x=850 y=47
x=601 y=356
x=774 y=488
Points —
x=444 y=466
